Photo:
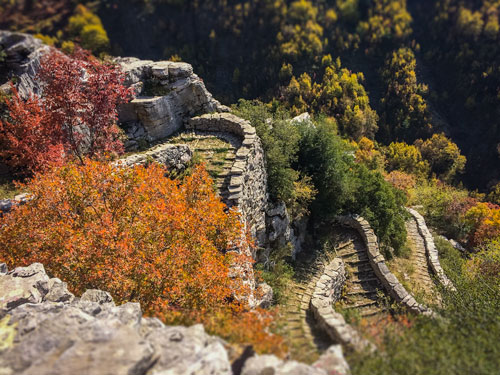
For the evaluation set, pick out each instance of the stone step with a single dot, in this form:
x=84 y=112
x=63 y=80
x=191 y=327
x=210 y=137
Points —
x=355 y=258
x=368 y=312
x=361 y=304
x=357 y=280
x=355 y=292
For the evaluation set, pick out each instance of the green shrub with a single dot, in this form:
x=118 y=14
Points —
x=346 y=187
x=280 y=141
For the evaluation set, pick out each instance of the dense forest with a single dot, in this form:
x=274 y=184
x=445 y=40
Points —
x=413 y=68
x=404 y=105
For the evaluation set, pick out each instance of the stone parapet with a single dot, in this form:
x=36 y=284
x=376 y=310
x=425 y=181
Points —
x=248 y=176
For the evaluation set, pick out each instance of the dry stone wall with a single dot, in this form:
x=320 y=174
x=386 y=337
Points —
x=430 y=249
x=173 y=156
x=248 y=177
x=377 y=261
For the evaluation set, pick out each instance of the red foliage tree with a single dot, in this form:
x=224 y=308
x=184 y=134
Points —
x=81 y=95
x=27 y=139
x=75 y=117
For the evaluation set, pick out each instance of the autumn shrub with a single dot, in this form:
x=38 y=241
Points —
x=444 y=206
x=75 y=116
x=406 y=158
x=27 y=139
x=443 y=156
x=483 y=220
x=368 y=154
x=143 y=237
x=401 y=181
x=486 y=263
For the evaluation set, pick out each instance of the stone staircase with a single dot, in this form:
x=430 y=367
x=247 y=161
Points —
x=218 y=151
x=363 y=288
x=305 y=340
x=423 y=273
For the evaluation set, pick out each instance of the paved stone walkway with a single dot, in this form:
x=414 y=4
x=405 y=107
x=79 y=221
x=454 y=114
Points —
x=419 y=257
x=422 y=274
x=363 y=288
x=305 y=340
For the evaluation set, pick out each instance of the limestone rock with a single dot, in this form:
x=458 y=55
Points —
x=333 y=361
x=22 y=285
x=264 y=295
x=271 y=365
x=173 y=156
x=92 y=336
x=23 y=53
x=167 y=94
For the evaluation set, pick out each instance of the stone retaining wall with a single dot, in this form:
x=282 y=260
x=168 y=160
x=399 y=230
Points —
x=377 y=261
x=430 y=249
x=328 y=290
x=248 y=177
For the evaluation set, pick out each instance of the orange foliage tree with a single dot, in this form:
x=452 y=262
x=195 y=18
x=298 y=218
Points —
x=143 y=237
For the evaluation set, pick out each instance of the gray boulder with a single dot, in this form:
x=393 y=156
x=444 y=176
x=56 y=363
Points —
x=272 y=365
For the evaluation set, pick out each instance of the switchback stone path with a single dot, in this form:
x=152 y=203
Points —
x=361 y=296
x=363 y=288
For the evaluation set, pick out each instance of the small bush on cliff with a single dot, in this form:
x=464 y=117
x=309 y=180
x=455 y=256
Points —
x=75 y=117
x=142 y=237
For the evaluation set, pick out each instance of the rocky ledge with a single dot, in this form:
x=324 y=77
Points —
x=45 y=329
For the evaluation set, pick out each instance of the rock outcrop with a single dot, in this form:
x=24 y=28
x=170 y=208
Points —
x=22 y=53
x=173 y=156
x=168 y=93
x=45 y=329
